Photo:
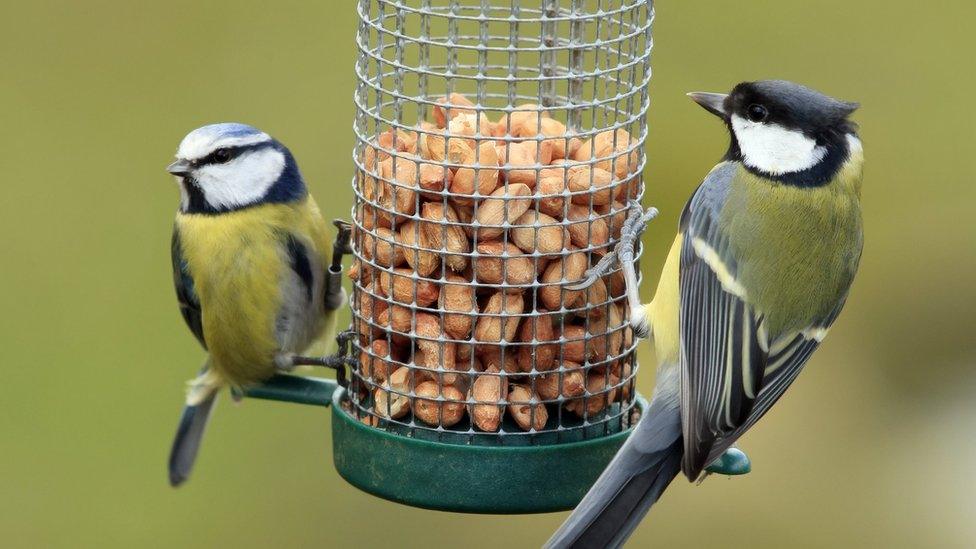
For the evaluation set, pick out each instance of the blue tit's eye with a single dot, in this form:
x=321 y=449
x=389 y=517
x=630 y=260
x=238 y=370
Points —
x=757 y=113
x=221 y=156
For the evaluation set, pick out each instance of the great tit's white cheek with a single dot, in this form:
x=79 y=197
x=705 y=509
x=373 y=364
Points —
x=775 y=149
x=242 y=181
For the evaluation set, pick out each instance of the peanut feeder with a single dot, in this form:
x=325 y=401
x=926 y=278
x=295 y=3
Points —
x=497 y=148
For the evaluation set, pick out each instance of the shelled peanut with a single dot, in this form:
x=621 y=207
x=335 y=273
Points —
x=467 y=230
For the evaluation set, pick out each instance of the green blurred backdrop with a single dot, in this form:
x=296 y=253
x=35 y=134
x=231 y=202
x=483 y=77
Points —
x=874 y=447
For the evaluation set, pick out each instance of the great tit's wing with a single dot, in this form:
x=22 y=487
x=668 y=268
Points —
x=186 y=296
x=785 y=358
x=731 y=373
x=722 y=339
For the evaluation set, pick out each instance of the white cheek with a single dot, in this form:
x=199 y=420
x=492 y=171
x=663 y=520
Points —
x=242 y=181
x=774 y=149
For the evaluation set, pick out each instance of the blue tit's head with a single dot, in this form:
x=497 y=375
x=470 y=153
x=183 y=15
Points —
x=785 y=131
x=226 y=167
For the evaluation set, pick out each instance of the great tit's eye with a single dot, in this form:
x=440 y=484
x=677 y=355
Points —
x=757 y=113
x=221 y=156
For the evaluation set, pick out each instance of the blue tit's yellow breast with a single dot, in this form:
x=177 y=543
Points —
x=237 y=261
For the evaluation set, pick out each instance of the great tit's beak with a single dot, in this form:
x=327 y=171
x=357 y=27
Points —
x=711 y=102
x=180 y=168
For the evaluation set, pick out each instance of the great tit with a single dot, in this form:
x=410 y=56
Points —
x=766 y=251
x=250 y=265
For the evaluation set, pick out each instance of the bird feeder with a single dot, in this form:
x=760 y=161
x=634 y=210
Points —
x=498 y=145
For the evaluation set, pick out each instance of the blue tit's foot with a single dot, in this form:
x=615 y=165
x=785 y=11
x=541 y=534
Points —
x=337 y=362
x=733 y=462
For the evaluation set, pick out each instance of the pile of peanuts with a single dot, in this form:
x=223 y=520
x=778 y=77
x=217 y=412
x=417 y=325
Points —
x=467 y=229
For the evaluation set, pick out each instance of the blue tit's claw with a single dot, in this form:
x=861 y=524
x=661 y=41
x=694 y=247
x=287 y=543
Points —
x=343 y=241
x=733 y=462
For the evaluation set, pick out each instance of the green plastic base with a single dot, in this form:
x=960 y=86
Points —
x=467 y=478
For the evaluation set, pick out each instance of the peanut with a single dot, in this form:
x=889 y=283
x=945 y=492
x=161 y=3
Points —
x=571 y=380
x=499 y=319
x=457 y=295
x=554 y=195
x=499 y=262
x=535 y=330
x=449 y=107
x=489 y=388
x=584 y=179
x=596 y=385
x=381 y=248
x=400 y=286
x=484 y=170
x=416 y=244
x=525 y=408
x=502 y=207
x=588 y=231
x=568 y=268
x=442 y=231
x=535 y=231
x=430 y=410
x=374 y=364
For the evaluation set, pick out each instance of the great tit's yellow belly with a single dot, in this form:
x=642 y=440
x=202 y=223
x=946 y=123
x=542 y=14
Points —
x=252 y=308
x=662 y=311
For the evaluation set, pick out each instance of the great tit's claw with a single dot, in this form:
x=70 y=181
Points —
x=593 y=273
x=588 y=279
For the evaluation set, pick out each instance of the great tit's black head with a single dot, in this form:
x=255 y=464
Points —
x=780 y=127
x=227 y=167
x=790 y=105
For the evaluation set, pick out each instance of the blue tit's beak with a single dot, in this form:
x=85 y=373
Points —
x=711 y=102
x=180 y=168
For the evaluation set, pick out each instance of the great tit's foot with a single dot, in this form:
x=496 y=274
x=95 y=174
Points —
x=733 y=462
x=593 y=273
x=630 y=232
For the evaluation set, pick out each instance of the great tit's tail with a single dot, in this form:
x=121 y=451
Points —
x=643 y=467
x=200 y=399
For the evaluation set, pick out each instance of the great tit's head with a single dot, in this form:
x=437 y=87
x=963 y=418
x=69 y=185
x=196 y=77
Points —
x=781 y=128
x=227 y=167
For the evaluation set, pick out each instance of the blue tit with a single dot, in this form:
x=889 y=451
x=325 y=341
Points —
x=766 y=251
x=250 y=265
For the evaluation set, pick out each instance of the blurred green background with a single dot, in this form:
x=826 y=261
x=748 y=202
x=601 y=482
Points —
x=874 y=447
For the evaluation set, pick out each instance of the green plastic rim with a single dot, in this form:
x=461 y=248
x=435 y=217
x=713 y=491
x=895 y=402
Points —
x=468 y=478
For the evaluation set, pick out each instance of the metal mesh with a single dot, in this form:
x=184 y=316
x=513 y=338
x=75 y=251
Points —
x=497 y=146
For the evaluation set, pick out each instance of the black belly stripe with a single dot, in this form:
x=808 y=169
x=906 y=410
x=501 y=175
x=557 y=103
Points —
x=298 y=256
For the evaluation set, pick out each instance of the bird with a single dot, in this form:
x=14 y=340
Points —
x=250 y=266
x=767 y=248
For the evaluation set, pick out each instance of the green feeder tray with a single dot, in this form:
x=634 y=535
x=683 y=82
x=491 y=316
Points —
x=467 y=477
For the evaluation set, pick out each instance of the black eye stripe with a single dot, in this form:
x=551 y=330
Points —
x=216 y=157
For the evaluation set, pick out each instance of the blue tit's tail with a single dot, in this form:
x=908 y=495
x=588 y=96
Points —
x=199 y=403
x=645 y=465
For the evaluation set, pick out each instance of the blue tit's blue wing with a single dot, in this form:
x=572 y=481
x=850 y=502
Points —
x=185 y=294
x=300 y=263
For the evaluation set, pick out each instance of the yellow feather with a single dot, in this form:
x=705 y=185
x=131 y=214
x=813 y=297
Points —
x=663 y=309
x=237 y=262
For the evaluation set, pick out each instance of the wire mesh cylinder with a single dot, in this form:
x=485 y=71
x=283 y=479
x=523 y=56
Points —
x=498 y=144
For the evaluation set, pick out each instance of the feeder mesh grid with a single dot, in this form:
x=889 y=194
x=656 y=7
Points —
x=583 y=64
